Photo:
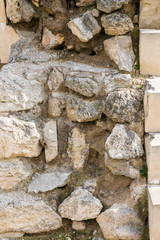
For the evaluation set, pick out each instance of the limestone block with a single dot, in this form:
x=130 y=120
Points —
x=150 y=51
x=151 y=105
x=149 y=14
x=153 y=157
x=154 y=212
x=2 y=13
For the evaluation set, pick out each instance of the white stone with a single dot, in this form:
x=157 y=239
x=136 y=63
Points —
x=18 y=138
x=50 y=140
x=81 y=205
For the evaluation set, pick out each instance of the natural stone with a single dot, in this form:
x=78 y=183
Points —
x=116 y=23
x=123 y=143
x=111 y=5
x=85 y=3
x=78 y=149
x=49 y=181
x=90 y=185
x=84 y=27
x=79 y=110
x=56 y=79
x=11 y=235
x=78 y=226
x=124 y=105
x=12 y=172
x=95 y=12
x=81 y=205
x=2 y=13
x=120 y=222
x=24 y=213
x=50 y=40
x=56 y=104
x=19 y=11
x=18 y=138
x=120 y=51
x=50 y=140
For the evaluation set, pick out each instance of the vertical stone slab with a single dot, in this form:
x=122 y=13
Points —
x=2 y=13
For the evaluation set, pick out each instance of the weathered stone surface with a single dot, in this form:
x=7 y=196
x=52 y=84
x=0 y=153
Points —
x=50 y=140
x=84 y=27
x=120 y=51
x=12 y=172
x=49 y=181
x=85 y=3
x=2 y=13
x=90 y=185
x=81 y=205
x=78 y=149
x=18 y=138
x=17 y=92
x=56 y=104
x=56 y=79
x=116 y=23
x=123 y=143
x=110 y=5
x=78 y=226
x=19 y=11
x=124 y=105
x=50 y=40
x=80 y=110
x=24 y=213
x=120 y=222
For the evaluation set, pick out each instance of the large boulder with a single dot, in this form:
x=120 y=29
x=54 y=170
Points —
x=110 y=5
x=116 y=23
x=121 y=222
x=81 y=205
x=20 y=212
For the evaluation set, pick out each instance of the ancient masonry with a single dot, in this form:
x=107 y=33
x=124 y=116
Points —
x=72 y=161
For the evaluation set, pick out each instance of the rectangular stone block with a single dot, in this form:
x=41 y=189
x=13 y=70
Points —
x=154 y=212
x=150 y=51
x=152 y=105
x=2 y=13
x=153 y=157
x=149 y=14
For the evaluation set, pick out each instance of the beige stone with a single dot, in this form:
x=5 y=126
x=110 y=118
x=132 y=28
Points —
x=150 y=51
x=151 y=105
x=2 y=13
x=79 y=226
x=150 y=14
x=154 y=212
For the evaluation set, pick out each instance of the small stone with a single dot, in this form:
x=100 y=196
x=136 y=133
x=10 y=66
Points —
x=78 y=226
x=50 y=140
x=90 y=185
x=84 y=27
x=136 y=19
x=50 y=40
x=49 y=181
x=123 y=144
x=116 y=23
x=81 y=205
x=56 y=79
x=79 y=110
x=56 y=104
x=78 y=149
x=120 y=51
x=110 y=5
x=95 y=12
x=85 y=3
x=120 y=222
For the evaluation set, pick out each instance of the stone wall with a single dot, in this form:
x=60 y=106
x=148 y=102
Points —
x=72 y=163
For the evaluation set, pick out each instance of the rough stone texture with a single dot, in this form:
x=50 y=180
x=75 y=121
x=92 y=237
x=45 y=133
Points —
x=18 y=138
x=78 y=149
x=56 y=79
x=120 y=222
x=120 y=51
x=12 y=172
x=50 y=140
x=123 y=143
x=24 y=213
x=81 y=205
x=2 y=13
x=50 y=40
x=116 y=23
x=78 y=226
x=19 y=10
x=56 y=104
x=84 y=27
x=79 y=110
x=124 y=105
x=49 y=181
x=90 y=185
x=85 y=3
x=111 y=5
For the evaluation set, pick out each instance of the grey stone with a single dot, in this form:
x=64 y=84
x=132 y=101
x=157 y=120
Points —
x=121 y=222
x=56 y=104
x=84 y=27
x=116 y=23
x=120 y=51
x=123 y=143
x=110 y=5
x=49 y=181
x=20 y=212
x=124 y=105
x=79 y=110
x=81 y=205
x=90 y=185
